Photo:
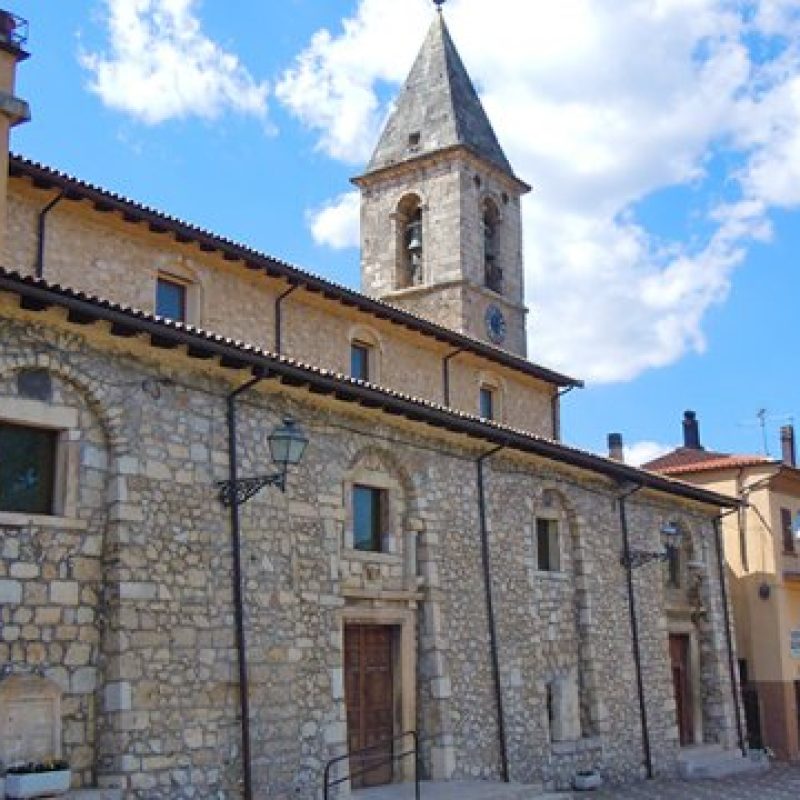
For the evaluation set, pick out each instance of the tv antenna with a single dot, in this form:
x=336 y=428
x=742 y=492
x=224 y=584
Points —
x=762 y=418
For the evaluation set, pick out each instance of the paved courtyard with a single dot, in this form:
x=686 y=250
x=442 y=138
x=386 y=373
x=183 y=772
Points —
x=779 y=783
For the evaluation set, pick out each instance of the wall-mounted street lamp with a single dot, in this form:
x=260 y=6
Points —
x=671 y=538
x=287 y=443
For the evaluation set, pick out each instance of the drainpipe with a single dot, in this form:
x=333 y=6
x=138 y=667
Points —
x=279 y=317
x=487 y=583
x=41 y=240
x=637 y=656
x=555 y=406
x=446 y=375
x=728 y=637
x=238 y=603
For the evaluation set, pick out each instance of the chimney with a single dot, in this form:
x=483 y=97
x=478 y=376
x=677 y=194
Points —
x=615 y=450
x=787 y=446
x=13 y=110
x=691 y=431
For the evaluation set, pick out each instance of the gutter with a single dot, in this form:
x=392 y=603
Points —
x=487 y=584
x=637 y=655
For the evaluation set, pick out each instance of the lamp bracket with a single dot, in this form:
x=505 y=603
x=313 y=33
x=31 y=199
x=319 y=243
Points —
x=241 y=491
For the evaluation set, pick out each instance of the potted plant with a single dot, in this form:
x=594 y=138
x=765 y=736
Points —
x=586 y=780
x=45 y=778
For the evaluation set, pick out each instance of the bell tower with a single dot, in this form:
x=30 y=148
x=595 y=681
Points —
x=441 y=227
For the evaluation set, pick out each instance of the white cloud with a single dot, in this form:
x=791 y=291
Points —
x=600 y=105
x=640 y=453
x=160 y=65
x=336 y=223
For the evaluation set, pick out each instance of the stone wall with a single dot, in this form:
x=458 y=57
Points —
x=105 y=256
x=125 y=599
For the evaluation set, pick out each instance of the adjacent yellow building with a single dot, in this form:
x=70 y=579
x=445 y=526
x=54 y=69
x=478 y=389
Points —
x=763 y=556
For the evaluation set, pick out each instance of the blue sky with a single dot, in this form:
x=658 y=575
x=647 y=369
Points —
x=662 y=140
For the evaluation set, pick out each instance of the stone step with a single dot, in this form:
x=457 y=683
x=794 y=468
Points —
x=707 y=762
x=459 y=790
x=94 y=794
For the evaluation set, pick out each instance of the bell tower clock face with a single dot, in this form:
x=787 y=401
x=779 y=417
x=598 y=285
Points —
x=496 y=326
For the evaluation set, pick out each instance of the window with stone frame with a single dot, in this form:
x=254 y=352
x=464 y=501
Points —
x=27 y=469
x=486 y=402
x=361 y=354
x=370 y=509
x=172 y=299
x=548 y=545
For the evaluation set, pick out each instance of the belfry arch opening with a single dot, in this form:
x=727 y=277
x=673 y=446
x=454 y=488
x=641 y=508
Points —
x=493 y=272
x=410 y=242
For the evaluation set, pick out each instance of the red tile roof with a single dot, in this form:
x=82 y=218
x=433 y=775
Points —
x=689 y=459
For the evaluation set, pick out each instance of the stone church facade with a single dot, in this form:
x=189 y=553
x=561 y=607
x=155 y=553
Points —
x=439 y=561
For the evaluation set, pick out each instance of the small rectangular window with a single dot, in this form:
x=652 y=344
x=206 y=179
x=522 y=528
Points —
x=547 y=546
x=368 y=511
x=27 y=469
x=487 y=403
x=788 y=533
x=170 y=299
x=359 y=361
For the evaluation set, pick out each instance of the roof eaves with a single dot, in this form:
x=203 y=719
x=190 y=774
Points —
x=132 y=211
x=38 y=295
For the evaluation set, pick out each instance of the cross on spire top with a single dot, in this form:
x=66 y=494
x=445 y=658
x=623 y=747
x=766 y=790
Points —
x=439 y=4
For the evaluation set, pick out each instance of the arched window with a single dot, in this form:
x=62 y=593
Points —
x=410 y=242
x=493 y=271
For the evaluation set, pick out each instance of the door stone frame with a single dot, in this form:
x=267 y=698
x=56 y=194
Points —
x=680 y=627
x=404 y=665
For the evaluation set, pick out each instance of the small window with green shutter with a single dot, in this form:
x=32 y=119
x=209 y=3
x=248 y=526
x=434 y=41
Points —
x=27 y=469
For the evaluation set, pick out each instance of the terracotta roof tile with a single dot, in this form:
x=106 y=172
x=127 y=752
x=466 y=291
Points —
x=688 y=459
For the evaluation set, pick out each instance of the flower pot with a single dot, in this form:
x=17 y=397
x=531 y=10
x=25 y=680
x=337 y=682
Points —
x=586 y=781
x=37 y=784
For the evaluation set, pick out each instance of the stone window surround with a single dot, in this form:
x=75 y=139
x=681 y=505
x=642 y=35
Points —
x=497 y=386
x=390 y=539
x=556 y=515
x=63 y=420
x=368 y=338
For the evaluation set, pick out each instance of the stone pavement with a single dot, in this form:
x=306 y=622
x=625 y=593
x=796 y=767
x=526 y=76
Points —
x=781 y=782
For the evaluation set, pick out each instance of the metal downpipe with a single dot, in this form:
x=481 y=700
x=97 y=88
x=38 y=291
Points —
x=728 y=637
x=40 y=241
x=487 y=582
x=238 y=602
x=637 y=656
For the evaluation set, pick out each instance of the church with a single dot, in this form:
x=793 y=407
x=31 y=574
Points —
x=259 y=530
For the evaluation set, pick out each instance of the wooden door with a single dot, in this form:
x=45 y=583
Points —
x=682 y=685
x=369 y=696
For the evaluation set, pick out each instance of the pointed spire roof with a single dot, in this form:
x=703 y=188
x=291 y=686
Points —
x=438 y=108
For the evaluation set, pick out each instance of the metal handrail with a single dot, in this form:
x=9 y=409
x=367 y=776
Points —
x=414 y=751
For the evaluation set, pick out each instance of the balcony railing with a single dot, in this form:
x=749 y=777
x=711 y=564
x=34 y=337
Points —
x=13 y=29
